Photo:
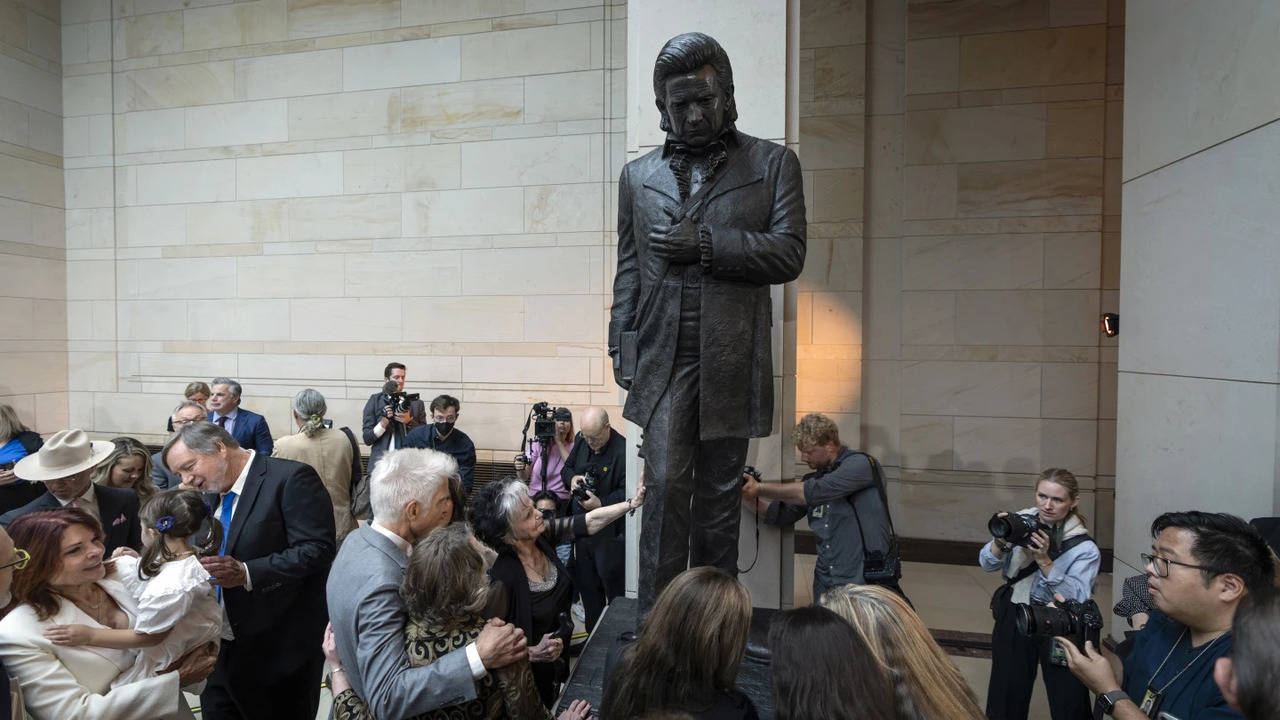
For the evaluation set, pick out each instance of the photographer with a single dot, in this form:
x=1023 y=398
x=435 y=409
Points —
x=529 y=465
x=844 y=499
x=599 y=458
x=1057 y=556
x=1200 y=568
x=384 y=429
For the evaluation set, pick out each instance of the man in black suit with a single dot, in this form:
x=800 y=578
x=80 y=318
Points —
x=384 y=429
x=271 y=573
x=65 y=464
x=247 y=427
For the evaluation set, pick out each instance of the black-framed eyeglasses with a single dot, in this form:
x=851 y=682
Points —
x=1161 y=565
x=24 y=557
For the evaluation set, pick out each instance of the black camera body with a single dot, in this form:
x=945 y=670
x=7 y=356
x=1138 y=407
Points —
x=1079 y=621
x=1016 y=529
x=401 y=401
x=750 y=471
x=544 y=423
x=590 y=484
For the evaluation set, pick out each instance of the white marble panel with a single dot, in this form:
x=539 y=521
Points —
x=565 y=208
x=242 y=123
x=1175 y=107
x=242 y=23
x=1198 y=250
x=346 y=319
x=506 y=370
x=200 y=181
x=380 y=170
x=374 y=274
x=288 y=276
x=528 y=51
x=565 y=318
x=459 y=105
x=46 y=133
x=524 y=271
x=30 y=181
x=131 y=413
x=927 y=442
x=988 y=389
x=291 y=75
x=32 y=372
x=464 y=212
x=313 y=18
x=237 y=222
x=86 y=95
x=345 y=114
x=1072 y=444
x=91 y=371
x=928 y=318
x=89 y=188
x=419 y=369
x=433 y=167
x=150 y=130
x=400 y=64
x=188 y=365
x=283 y=176
x=90 y=280
x=1008 y=317
x=1069 y=390
x=528 y=161
x=175 y=86
x=30 y=86
x=176 y=278
x=469 y=319
x=343 y=218
x=1072 y=260
x=1004 y=445
x=1071 y=317
x=311 y=367
x=430 y=12
x=972 y=262
x=239 y=320
x=151 y=319
x=564 y=96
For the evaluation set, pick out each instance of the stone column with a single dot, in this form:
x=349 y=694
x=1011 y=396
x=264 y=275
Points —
x=759 y=37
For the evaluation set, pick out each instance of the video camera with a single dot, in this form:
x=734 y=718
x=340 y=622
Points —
x=1016 y=529
x=399 y=400
x=590 y=484
x=1079 y=621
x=543 y=418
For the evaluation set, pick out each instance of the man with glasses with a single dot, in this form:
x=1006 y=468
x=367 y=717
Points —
x=11 y=559
x=443 y=435
x=1200 y=567
x=183 y=415
x=599 y=564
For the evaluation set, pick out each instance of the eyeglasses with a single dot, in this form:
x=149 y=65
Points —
x=1161 y=565
x=24 y=557
x=180 y=423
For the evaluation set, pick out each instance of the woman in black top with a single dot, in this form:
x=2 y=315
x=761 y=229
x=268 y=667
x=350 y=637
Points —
x=16 y=442
x=531 y=588
x=685 y=658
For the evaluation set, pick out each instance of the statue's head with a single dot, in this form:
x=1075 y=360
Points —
x=693 y=85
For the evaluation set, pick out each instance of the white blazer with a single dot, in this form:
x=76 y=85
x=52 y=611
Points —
x=61 y=681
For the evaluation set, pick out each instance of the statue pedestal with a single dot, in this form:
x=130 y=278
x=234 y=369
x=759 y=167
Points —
x=586 y=681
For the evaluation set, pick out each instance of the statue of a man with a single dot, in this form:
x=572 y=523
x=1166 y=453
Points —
x=706 y=224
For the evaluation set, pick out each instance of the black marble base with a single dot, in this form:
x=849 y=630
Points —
x=586 y=681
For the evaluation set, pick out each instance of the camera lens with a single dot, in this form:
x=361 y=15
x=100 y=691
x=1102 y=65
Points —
x=999 y=527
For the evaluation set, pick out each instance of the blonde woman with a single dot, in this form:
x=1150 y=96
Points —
x=926 y=684
x=16 y=442
x=128 y=466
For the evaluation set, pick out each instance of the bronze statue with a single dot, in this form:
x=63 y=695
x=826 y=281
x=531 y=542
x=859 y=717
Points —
x=706 y=224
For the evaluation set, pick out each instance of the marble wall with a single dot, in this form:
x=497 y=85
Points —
x=33 y=284
x=1199 y=413
x=295 y=193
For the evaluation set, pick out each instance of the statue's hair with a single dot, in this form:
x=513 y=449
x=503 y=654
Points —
x=685 y=54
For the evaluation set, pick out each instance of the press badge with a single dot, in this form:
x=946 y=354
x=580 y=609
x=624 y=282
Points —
x=1151 y=702
x=1057 y=655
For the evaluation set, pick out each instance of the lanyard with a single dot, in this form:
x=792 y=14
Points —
x=1156 y=674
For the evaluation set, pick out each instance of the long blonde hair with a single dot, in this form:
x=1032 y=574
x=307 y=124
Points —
x=10 y=425
x=126 y=446
x=926 y=684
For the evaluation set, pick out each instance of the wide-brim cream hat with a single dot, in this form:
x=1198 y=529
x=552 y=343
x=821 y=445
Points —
x=66 y=453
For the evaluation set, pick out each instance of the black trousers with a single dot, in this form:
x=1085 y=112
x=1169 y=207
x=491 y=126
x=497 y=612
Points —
x=1014 y=658
x=599 y=572
x=235 y=693
x=692 y=489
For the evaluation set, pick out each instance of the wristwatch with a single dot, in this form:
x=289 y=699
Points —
x=1106 y=703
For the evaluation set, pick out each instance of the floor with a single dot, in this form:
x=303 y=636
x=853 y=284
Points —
x=948 y=597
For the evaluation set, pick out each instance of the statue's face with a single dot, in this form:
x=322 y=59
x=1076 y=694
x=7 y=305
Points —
x=695 y=105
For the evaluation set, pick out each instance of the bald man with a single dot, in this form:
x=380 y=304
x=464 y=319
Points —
x=599 y=560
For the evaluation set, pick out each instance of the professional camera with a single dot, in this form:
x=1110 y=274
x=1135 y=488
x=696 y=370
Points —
x=399 y=400
x=749 y=470
x=590 y=484
x=1016 y=529
x=544 y=422
x=1079 y=621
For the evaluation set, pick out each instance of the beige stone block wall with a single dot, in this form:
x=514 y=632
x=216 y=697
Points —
x=305 y=190
x=34 y=277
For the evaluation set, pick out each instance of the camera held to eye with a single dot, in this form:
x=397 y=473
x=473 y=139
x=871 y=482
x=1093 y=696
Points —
x=590 y=484
x=752 y=472
x=1016 y=529
x=1079 y=621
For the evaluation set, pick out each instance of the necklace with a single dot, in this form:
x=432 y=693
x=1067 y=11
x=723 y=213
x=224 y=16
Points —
x=1156 y=674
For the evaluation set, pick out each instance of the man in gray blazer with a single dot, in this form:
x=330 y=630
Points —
x=409 y=495
x=183 y=415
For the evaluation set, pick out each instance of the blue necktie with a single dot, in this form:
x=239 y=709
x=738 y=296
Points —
x=228 y=503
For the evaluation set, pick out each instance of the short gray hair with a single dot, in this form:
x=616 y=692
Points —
x=202 y=438
x=511 y=501
x=309 y=405
x=184 y=405
x=233 y=386
x=407 y=474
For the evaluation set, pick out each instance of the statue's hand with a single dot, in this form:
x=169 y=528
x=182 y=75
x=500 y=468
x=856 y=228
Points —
x=677 y=244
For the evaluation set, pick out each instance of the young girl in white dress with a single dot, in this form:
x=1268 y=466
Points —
x=178 y=609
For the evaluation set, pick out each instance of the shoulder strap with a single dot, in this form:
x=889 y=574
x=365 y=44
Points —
x=355 y=456
x=1067 y=544
x=878 y=478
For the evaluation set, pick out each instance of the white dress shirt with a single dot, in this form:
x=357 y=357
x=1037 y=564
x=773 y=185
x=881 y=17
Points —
x=238 y=489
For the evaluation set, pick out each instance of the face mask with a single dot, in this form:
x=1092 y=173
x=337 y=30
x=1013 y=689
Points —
x=444 y=428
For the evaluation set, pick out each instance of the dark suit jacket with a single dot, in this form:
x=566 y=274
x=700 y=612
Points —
x=756 y=218
x=251 y=432
x=160 y=475
x=373 y=412
x=117 y=510
x=283 y=532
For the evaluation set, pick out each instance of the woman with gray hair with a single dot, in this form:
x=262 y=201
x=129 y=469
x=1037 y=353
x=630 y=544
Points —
x=531 y=588
x=330 y=452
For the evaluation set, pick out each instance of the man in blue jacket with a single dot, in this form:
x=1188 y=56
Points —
x=247 y=427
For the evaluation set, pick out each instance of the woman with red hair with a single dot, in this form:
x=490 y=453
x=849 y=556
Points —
x=66 y=581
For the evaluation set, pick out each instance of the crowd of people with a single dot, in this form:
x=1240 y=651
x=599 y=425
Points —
x=237 y=566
